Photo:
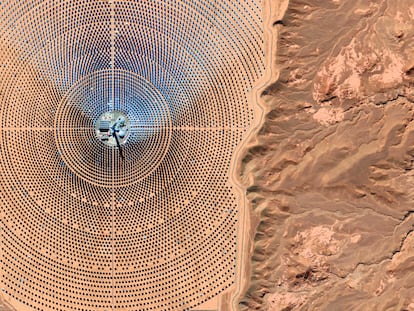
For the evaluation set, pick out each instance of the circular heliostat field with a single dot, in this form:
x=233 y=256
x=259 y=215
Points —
x=80 y=143
x=150 y=223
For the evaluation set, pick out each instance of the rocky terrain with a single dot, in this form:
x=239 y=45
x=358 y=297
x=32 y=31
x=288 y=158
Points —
x=330 y=173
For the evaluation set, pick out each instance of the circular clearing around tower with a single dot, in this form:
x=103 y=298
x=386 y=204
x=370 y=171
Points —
x=112 y=128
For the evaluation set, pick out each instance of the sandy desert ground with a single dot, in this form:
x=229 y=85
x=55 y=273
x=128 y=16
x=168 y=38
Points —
x=330 y=174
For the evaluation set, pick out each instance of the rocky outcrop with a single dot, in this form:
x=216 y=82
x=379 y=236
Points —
x=330 y=177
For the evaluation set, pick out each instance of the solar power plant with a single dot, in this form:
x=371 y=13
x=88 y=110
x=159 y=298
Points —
x=121 y=128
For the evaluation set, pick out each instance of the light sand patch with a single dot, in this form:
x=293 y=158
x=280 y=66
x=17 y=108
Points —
x=328 y=116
